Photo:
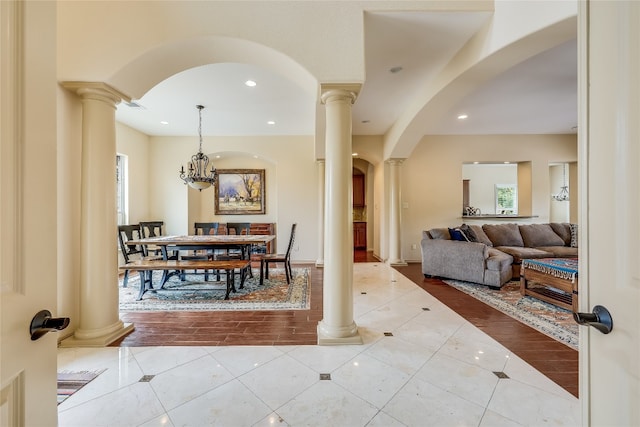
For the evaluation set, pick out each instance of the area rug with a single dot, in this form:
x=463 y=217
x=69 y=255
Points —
x=70 y=382
x=194 y=294
x=549 y=319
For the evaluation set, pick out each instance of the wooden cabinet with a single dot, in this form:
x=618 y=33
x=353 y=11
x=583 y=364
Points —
x=360 y=235
x=358 y=190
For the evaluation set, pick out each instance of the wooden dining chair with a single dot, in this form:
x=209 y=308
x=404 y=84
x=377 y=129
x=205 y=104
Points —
x=152 y=229
x=205 y=228
x=285 y=258
x=129 y=251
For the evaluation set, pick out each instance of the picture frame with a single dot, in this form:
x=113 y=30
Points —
x=240 y=192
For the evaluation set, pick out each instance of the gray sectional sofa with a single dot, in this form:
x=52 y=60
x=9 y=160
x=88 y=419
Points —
x=491 y=254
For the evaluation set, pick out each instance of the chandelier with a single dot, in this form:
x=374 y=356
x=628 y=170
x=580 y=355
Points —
x=197 y=176
x=563 y=195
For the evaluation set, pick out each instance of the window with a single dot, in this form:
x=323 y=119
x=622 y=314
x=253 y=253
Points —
x=121 y=189
x=506 y=199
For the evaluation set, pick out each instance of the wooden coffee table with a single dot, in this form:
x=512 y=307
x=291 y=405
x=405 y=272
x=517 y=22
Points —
x=554 y=280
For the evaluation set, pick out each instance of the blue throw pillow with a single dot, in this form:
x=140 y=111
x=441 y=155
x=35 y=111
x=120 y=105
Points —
x=456 y=234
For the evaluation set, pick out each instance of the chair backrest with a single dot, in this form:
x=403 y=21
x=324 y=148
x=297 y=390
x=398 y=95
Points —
x=126 y=233
x=206 y=227
x=151 y=228
x=291 y=240
x=238 y=227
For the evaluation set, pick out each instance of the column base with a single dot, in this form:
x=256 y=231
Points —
x=97 y=341
x=397 y=263
x=341 y=336
x=320 y=263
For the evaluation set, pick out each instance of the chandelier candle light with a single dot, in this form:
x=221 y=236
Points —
x=197 y=177
x=563 y=195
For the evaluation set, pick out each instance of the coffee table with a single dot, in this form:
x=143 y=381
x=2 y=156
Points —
x=554 y=280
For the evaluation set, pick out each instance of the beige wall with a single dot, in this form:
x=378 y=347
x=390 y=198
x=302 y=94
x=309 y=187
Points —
x=135 y=145
x=432 y=176
x=290 y=175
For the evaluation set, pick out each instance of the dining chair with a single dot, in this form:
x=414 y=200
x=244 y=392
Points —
x=285 y=258
x=132 y=251
x=238 y=228
x=205 y=228
x=152 y=229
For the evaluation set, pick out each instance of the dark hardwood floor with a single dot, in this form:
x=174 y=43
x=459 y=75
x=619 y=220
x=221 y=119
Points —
x=298 y=327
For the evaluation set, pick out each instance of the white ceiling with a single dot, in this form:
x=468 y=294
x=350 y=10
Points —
x=538 y=96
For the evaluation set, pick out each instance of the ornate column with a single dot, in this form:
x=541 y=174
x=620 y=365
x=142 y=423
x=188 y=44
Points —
x=99 y=323
x=337 y=325
x=395 y=242
x=320 y=260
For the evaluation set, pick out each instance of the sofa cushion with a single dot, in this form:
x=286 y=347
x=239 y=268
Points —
x=498 y=260
x=503 y=234
x=481 y=236
x=560 y=251
x=534 y=235
x=562 y=229
x=440 y=233
x=519 y=253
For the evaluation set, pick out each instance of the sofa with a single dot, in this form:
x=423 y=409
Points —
x=491 y=254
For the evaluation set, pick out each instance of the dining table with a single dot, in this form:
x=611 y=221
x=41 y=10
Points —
x=170 y=245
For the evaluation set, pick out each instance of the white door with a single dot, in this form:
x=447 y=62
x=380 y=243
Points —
x=609 y=87
x=27 y=211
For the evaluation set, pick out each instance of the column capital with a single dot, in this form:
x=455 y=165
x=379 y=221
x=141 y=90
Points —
x=395 y=162
x=339 y=91
x=97 y=90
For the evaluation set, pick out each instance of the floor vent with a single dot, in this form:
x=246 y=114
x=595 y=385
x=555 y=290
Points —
x=325 y=377
x=146 y=378
x=501 y=375
x=388 y=334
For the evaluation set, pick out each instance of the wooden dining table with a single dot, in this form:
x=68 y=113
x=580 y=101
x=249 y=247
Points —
x=173 y=244
x=169 y=244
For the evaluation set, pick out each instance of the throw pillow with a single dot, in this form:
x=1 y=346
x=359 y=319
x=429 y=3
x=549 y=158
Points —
x=456 y=234
x=468 y=232
x=563 y=230
x=574 y=235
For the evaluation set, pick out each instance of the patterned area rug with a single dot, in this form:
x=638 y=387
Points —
x=549 y=319
x=70 y=382
x=194 y=294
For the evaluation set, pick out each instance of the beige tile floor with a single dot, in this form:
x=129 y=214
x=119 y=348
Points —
x=435 y=370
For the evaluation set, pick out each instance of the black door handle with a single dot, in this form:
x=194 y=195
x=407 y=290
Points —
x=599 y=319
x=42 y=323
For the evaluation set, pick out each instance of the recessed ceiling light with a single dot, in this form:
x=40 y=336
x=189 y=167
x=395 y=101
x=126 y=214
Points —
x=462 y=116
x=506 y=163
x=271 y=122
x=354 y=154
x=475 y=163
x=395 y=70
x=250 y=83
x=164 y=122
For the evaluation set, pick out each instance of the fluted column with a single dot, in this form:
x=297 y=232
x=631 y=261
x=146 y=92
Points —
x=320 y=260
x=337 y=325
x=395 y=241
x=99 y=323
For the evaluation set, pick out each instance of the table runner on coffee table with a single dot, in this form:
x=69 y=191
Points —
x=563 y=268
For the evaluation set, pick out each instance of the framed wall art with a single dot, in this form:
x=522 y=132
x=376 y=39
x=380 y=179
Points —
x=240 y=192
